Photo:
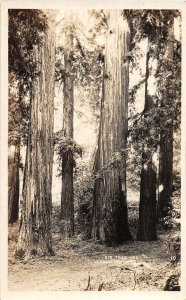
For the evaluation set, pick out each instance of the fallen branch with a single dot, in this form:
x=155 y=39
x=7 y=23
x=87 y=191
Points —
x=100 y=287
x=88 y=288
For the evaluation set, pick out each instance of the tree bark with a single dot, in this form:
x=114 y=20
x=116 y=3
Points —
x=110 y=216
x=67 y=194
x=147 y=206
x=13 y=183
x=35 y=228
x=166 y=146
x=165 y=172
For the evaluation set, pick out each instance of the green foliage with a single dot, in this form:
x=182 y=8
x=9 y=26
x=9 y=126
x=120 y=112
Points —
x=17 y=115
x=87 y=60
x=67 y=145
x=145 y=127
x=169 y=85
x=134 y=90
x=83 y=193
x=172 y=220
x=172 y=283
x=152 y=23
x=100 y=17
x=26 y=29
x=64 y=144
x=133 y=167
x=85 y=68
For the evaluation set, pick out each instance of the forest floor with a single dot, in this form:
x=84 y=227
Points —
x=80 y=265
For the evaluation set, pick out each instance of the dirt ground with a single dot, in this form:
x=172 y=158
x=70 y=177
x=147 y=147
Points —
x=133 y=266
x=81 y=265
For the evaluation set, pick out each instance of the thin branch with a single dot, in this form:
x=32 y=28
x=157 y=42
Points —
x=88 y=286
x=81 y=114
x=60 y=78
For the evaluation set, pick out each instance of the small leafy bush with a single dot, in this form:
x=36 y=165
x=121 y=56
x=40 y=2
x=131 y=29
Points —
x=83 y=192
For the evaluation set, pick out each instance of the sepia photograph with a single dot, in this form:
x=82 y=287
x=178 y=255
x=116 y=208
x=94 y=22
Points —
x=94 y=149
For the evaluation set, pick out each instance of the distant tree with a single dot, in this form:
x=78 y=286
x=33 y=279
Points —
x=77 y=67
x=170 y=100
x=147 y=206
x=110 y=219
x=67 y=194
x=14 y=120
x=13 y=183
x=149 y=127
x=35 y=226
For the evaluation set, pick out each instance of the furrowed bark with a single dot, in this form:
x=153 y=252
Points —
x=67 y=194
x=35 y=228
x=147 y=206
x=13 y=184
x=166 y=147
x=110 y=216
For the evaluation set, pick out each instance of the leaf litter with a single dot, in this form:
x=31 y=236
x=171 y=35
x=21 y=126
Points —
x=87 y=265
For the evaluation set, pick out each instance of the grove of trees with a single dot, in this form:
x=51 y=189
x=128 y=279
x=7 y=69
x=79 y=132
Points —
x=112 y=63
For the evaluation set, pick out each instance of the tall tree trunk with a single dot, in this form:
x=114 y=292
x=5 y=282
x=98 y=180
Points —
x=165 y=172
x=67 y=195
x=110 y=216
x=147 y=206
x=13 y=183
x=166 y=144
x=35 y=227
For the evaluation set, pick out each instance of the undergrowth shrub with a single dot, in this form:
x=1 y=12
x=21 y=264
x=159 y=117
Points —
x=83 y=194
x=56 y=217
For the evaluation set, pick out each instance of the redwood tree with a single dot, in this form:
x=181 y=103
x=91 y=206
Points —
x=67 y=194
x=147 y=205
x=110 y=219
x=156 y=25
x=24 y=31
x=166 y=135
x=13 y=183
x=15 y=122
x=35 y=227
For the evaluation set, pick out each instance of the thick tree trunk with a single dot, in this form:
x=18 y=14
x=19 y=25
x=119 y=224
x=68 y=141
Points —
x=165 y=172
x=166 y=146
x=147 y=206
x=13 y=183
x=35 y=228
x=67 y=195
x=110 y=216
